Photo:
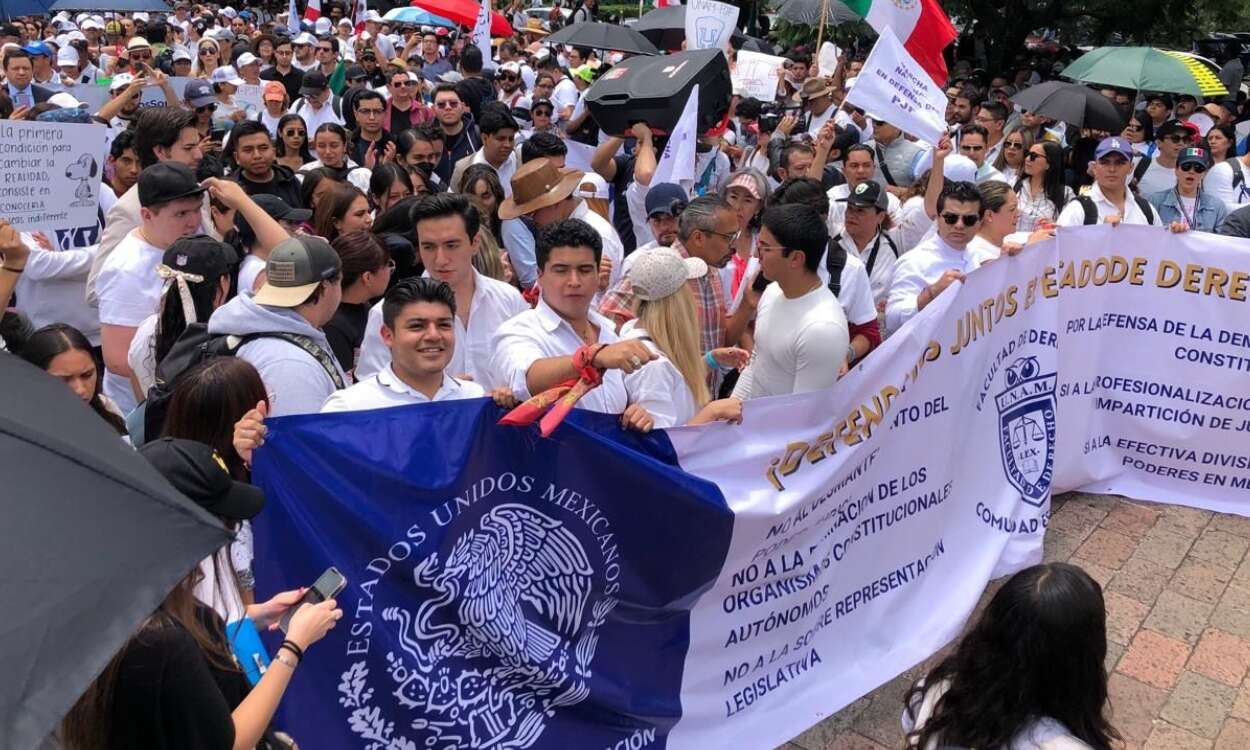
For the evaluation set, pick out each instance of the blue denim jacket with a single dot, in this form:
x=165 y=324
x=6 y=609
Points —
x=1210 y=211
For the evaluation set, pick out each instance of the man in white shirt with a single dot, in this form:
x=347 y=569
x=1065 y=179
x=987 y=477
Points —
x=801 y=335
x=933 y=265
x=859 y=166
x=316 y=103
x=565 y=95
x=549 y=345
x=817 y=98
x=864 y=238
x=498 y=129
x=448 y=227
x=128 y=286
x=1160 y=170
x=974 y=144
x=545 y=193
x=419 y=330
x=1230 y=182
x=992 y=116
x=1109 y=200
x=305 y=52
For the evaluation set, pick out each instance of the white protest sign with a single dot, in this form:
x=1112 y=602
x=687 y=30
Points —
x=894 y=88
x=827 y=58
x=91 y=94
x=250 y=95
x=51 y=174
x=154 y=95
x=676 y=164
x=755 y=75
x=579 y=156
x=480 y=36
x=709 y=24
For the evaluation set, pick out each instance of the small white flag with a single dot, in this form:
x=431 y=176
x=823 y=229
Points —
x=894 y=88
x=292 y=20
x=481 y=34
x=677 y=162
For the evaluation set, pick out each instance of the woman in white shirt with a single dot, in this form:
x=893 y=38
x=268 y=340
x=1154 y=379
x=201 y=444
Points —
x=1010 y=160
x=1028 y=676
x=673 y=388
x=1040 y=187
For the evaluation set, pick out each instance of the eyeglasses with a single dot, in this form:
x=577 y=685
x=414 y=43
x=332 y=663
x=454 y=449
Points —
x=1034 y=156
x=730 y=238
x=968 y=220
x=446 y=105
x=294 y=133
x=1193 y=167
x=371 y=112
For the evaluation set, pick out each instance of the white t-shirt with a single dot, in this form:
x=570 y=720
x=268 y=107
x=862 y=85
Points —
x=129 y=291
x=1219 y=183
x=249 y=270
x=658 y=385
x=1156 y=178
x=854 y=290
x=800 y=344
x=563 y=95
x=384 y=389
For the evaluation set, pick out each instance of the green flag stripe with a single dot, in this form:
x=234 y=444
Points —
x=860 y=7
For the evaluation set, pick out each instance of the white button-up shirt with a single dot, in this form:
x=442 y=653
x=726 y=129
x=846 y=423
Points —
x=384 y=389
x=493 y=303
x=540 y=334
x=1073 y=214
x=919 y=268
x=613 y=249
x=882 y=272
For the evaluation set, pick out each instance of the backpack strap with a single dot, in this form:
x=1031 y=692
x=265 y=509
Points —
x=872 y=256
x=1139 y=171
x=1146 y=210
x=835 y=261
x=1091 y=211
x=1239 y=178
x=310 y=347
x=885 y=169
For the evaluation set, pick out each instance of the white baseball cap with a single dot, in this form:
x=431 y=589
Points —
x=345 y=22
x=120 y=81
x=66 y=100
x=181 y=53
x=592 y=186
x=661 y=272
x=227 y=74
x=305 y=38
x=141 y=16
x=67 y=56
x=228 y=12
x=373 y=15
x=322 y=26
x=91 y=23
x=245 y=59
x=956 y=167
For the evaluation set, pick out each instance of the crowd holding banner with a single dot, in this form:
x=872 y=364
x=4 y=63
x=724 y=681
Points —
x=607 y=404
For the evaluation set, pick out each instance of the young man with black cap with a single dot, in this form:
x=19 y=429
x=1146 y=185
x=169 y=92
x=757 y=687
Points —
x=302 y=290
x=258 y=169
x=317 y=105
x=1155 y=174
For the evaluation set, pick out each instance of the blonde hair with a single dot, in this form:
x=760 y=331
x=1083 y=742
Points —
x=673 y=324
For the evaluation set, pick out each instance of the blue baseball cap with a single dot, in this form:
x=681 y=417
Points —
x=666 y=198
x=1114 y=145
x=38 y=49
x=198 y=93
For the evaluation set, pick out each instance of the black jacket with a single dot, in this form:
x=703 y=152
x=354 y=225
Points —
x=284 y=185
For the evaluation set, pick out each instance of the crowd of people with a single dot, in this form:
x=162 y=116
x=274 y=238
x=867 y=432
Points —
x=395 y=221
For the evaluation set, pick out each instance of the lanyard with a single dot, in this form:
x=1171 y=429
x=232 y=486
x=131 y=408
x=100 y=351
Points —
x=1189 y=220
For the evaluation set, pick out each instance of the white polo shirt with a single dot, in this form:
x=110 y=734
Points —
x=1073 y=214
x=540 y=334
x=919 y=268
x=384 y=389
x=493 y=303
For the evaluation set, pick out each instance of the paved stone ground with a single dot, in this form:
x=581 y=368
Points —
x=1177 y=586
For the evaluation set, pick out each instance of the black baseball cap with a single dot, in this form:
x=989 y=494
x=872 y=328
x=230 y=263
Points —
x=868 y=194
x=296 y=267
x=201 y=255
x=355 y=73
x=666 y=198
x=167 y=181
x=197 y=471
x=314 y=83
x=280 y=210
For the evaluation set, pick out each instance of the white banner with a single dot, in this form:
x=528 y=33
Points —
x=893 y=87
x=51 y=174
x=480 y=36
x=755 y=74
x=709 y=24
x=676 y=163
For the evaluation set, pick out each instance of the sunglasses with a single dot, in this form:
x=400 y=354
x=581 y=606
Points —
x=205 y=51
x=1034 y=156
x=1193 y=167
x=1013 y=145
x=541 y=112
x=1174 y=138
x=140 y=55
x=446 y=105
x=508 y=77
x=968 y=220
x=325 y=49
x=206 y=108
x=294 y=133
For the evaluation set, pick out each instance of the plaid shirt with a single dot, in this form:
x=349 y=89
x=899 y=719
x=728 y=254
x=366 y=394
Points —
x=619 y=303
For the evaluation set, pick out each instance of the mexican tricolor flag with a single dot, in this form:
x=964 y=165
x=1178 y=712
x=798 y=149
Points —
x=921 y=25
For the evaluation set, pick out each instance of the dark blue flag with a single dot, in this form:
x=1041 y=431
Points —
x=505 y=591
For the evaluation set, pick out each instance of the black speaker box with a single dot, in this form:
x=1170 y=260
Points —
x=654 y=89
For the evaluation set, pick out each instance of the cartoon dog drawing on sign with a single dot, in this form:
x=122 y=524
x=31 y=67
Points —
x=85 y=170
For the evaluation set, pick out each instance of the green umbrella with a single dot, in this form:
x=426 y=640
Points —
x=1148 y=69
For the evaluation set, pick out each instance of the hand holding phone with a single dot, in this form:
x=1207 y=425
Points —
x=327 y=586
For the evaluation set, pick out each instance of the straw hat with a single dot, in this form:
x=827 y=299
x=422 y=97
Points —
x=538 y=184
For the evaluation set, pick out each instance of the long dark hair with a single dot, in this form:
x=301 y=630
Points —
x=383 y=178
x=208 y=399
x=334 y=207
x=88 y=724
x=485 y=173
x=45 y=344
x=280 y=145
x=171 y=320
x=1053 y=186
x=313 y=178
x=1037 y=652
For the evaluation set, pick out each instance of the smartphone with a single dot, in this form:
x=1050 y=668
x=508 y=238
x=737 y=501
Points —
x=329 y=585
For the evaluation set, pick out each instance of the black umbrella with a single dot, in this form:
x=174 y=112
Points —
x=1071 y=103
x=604 y=36
x=666 y=28
x=751 y=44
x=93 y=540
